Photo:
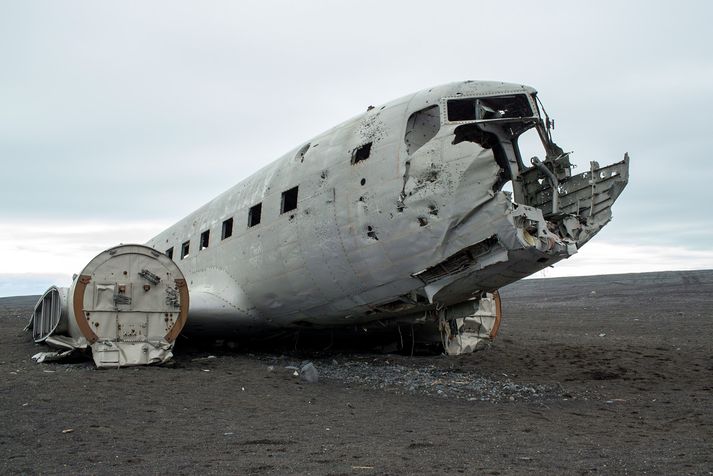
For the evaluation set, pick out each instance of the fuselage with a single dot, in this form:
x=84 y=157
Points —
x=397 y=218
x=397 y=210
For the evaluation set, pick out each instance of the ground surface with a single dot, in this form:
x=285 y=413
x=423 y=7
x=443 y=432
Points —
x=588 y=375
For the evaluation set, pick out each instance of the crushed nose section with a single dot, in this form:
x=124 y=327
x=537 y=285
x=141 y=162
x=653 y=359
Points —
x=129 y=304
x=581 y=204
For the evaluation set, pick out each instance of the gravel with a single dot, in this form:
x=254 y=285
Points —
x=420 y=380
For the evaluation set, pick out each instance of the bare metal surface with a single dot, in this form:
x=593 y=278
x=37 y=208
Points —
x=368 y=232
x=388 y=218
x=120 y=309
x=129 y=323
x=50 y=314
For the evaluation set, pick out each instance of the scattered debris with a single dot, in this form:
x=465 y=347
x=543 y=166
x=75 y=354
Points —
x=426 y=380
x=308 y=373
x=51 y=356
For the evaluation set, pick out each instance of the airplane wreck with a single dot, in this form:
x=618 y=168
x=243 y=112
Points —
x=412 y=214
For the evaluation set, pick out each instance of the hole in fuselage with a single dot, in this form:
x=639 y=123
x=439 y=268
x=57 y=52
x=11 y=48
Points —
x=361 y=153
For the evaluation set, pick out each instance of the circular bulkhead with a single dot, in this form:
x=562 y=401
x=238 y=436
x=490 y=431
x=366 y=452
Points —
x=130 y=303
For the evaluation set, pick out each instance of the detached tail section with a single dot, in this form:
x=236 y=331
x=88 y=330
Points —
x=128 y=305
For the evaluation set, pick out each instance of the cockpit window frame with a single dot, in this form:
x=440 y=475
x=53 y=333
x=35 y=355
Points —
x=530 y=101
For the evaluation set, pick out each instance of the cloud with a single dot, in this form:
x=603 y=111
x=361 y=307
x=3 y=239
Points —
x=119 y=119
x=64 y=247
x=30 y=284
x=601 y=257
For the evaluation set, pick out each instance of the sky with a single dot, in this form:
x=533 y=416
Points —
x=119 y=118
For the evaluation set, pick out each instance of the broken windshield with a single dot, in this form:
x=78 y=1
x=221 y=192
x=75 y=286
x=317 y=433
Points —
x=495 y=108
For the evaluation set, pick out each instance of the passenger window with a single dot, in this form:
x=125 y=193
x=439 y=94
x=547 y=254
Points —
x=289 y=200
x=255 y=213
x=169 y=252
x=185 y=249
x=205 y=237
x=227 y=230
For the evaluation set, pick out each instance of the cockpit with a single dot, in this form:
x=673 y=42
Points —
x=499 y=123
x=491 y=109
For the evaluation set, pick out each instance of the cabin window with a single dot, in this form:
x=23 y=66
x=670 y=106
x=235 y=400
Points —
x=205 y=237
x=461 y=109
x=227 y=230
x=169 y=252
x=185 y=248
x=421 y=127
x=489 y=108
x=289 y=200
x=504 y=107
x=255 y=213
x=361 y=153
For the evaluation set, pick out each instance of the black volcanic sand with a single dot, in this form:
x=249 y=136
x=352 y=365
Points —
x=608 y=374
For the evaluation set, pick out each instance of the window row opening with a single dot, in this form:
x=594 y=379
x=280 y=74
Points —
x=288 y=202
